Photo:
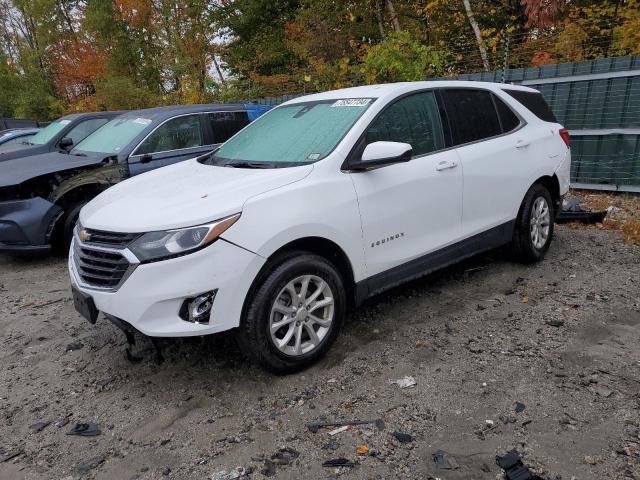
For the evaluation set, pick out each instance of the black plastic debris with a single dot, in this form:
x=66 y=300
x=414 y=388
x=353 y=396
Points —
x=520 y=407
x=573 y=212
x=339 y=462
x=444 y=461
x=10 y=455
x=403 y=437
x=285 y=456
x=513 y=467
x=314 y=427
x=72 y=347
x=38 y=427
x=85 y=430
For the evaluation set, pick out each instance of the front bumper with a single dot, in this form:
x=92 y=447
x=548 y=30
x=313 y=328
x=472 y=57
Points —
x=150 y=297
x=26 y=225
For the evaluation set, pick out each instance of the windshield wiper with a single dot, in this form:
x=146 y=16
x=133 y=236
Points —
x=247 y=165
x=78 y=154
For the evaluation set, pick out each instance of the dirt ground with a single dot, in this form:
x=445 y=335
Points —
x=543 y=359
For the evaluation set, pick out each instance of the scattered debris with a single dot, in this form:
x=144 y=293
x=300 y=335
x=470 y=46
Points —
x=10 y=455
x=338 y=462
x=85 y=430
x=339 y=430
x=362 y=450
x=38 y=426
x=285 y=456
x=525 y=299
x=513 y=467
x=403 y=437
x=232 y=474
x=572 y=212
x=405 y=382
x=444 y=461
x=555 y=322
x=520 y=407
x=72 y=347
x=314 y=427
x=90 y=464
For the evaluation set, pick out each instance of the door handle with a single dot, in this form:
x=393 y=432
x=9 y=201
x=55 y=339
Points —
x=522 y=143
x=445 y=164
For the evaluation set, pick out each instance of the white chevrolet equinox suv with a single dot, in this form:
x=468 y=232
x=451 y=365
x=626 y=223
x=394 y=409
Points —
x=319 y=204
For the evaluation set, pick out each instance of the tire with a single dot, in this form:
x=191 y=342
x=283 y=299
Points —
x=525 y=246
x=63 y=231
x=254 y=335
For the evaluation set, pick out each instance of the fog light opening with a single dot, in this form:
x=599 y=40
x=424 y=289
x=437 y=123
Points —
x=198 y=309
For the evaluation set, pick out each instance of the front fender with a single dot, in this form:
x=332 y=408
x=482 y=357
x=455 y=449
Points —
x=103 y=176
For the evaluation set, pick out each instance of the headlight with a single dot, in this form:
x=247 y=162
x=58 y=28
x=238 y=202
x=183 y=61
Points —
x=154 y=246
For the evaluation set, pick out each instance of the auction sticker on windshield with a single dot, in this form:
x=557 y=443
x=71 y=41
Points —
x=351 y=102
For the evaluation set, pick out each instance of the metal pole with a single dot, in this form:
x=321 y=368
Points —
x=505 y=65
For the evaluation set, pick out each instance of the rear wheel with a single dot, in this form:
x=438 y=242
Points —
x=294 y=314
x=534 y=226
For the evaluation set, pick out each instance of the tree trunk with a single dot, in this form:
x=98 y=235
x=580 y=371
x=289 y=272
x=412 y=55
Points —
x=380 y=15
x=218 y=69
x=476 y=31
x=394 y=16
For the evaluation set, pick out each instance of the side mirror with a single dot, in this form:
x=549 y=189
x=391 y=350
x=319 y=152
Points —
x=65 y=143
x=382 y=154
x=146 y=158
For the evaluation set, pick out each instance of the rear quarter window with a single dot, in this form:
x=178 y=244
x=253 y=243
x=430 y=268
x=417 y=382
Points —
x=535 y=103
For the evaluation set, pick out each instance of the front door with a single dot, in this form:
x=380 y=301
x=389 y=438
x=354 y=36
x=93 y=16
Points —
x=409 y=209
x=176 y=140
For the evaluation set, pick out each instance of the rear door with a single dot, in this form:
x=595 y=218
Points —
x=408 y=209
x=175 y=140
x=494 y=157
x=224 y=125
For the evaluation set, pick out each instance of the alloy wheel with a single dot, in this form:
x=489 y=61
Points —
x=301 y=315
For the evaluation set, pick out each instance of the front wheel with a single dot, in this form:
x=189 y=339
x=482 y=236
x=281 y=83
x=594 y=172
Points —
x=63 y=231
x=534 y=226
x=294 y=314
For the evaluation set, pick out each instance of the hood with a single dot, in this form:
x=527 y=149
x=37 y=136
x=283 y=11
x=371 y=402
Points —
x=182 y=195
x=18 y=170
x=19 y=151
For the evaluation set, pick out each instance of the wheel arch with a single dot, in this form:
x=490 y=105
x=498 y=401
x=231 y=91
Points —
x=84 y=191
x=552 y=184
x=317 y=245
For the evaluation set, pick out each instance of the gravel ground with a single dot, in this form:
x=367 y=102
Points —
x=543 y=359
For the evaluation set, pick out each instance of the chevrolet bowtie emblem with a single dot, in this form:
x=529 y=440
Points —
x=84 y=236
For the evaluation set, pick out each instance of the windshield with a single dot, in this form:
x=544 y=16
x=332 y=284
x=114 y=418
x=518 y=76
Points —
x=47 y=133
x=292 y=134
x=113 y=136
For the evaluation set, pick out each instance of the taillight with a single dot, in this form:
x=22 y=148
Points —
x=564 y=134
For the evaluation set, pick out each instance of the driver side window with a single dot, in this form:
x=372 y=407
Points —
x=175 y=134
x=414 y=119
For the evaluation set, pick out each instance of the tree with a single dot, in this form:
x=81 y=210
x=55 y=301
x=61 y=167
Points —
x=400 y=57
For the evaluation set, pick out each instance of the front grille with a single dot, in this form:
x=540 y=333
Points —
x=110 y=239
x=98 y=268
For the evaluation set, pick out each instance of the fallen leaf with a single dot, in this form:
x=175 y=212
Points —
x=525 y=299
x=362 y=450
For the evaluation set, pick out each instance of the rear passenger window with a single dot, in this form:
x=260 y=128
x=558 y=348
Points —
x=175 y=134
x=414 y=120
x=225 y=125
x=472 y=115
x=534 y=102
x=508 y=119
